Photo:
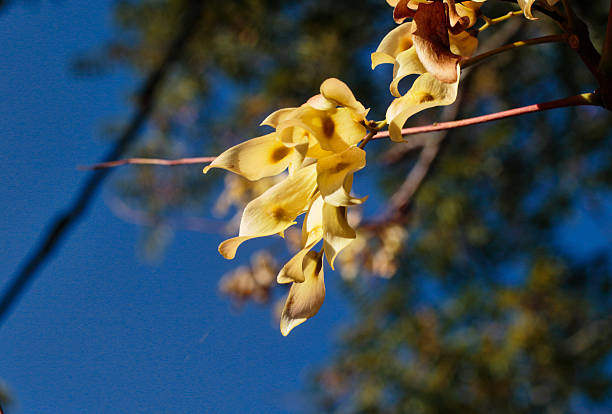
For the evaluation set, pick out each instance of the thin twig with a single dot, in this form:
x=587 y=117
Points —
x=148 y=161
x=538 y=40
x=146 y=101
x=577 y=100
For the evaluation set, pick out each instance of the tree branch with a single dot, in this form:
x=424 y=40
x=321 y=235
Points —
x=538 y=40
x=146 y=100
x=577 y=100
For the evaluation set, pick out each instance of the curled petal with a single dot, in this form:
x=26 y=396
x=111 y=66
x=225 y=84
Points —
x=463 y=44
x=338 y=92
x=312 y=233
x=395 y=42
x=258 y=157
x=305 y=299
x=274 y=210
x=432 y=44
x=525 y=5
x=342 y=196
x=332 y=171
x=279 y=116
x=408 y=63
x=426 y=92
x=337 y=234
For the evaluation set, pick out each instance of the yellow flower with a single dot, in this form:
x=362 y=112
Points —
x=259 y=157
x=423 y=45
x=275 y=210
x=426 y=92
x=305 y=299
x=316 y=142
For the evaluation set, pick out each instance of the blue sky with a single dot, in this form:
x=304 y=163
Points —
x=99 y=330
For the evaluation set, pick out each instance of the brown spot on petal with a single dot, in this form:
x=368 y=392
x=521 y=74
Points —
x=279 y=153
x=341 y=166
x=328 y=127
x=280 y=214
x=424 y=97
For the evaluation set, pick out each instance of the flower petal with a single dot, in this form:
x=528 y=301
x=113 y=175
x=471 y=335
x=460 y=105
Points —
x=305 y=299
x=332 y=171
x=338 y=92
x=256 y=158
x=312 y=233
x=274 y=210
x=395 y=42
x=279 y=116
x=408 y=63
x=426 y=92
x=334 y=130
x=431 y=40
x=337 y=234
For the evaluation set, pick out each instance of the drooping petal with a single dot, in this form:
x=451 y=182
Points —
x=431 y=40
x=408 y=63
x=305 y=299
x=526 y=5
x=312 y=233
x=426 y=92
x=332 y=172
x=337 y=234
x=259 y=157
x=274 y=210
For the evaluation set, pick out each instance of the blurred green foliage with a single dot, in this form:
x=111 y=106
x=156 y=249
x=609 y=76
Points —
x=489 y=312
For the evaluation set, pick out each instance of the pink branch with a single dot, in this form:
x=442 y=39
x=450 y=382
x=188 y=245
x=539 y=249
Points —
x=149 y=161
x=584 y=99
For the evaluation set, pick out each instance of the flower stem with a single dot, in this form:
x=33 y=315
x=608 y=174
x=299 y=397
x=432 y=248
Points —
x=577 y=100
x=538 y=40
x=490 y=22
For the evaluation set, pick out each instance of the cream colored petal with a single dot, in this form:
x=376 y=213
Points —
x=321 y=103
x=342 y=196
x=312 y=229
x=228 y=247
x=305 y=299
x=426 y=92
x=338 y=92
x=395 y=42
x=526 y=5
x=257 y=158
x=291 y=135
x=279 y=116
x=274 y=210
x=312 y=233
x=463 y=44
x=337 y=234
x=408 y=63
x=332 y=171
x=334 y=130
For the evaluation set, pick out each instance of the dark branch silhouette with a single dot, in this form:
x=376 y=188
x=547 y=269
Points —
x=145 y=104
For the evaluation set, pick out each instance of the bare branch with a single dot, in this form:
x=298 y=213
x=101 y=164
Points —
x=148 y=161
x=576 y=100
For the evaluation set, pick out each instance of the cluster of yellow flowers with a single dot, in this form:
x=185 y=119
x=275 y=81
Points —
x=317 y=143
